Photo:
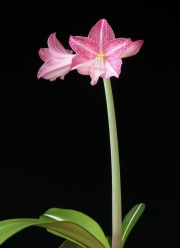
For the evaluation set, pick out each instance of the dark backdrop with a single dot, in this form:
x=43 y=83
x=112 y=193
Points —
x=54 y=135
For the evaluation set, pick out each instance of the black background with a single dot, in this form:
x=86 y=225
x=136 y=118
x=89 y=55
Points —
x=54 y=135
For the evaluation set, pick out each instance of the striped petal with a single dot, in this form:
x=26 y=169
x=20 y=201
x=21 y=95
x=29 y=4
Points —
x=84 y=46
x=56 y=48
x=101 y=33
x=116 y=47
x=133 y=49
x=44 y=54
x=113 y=68
x=54 y=68
x=81 y=64
x=104 y=69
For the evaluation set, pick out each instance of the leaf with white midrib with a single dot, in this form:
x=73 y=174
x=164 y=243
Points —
x=130 y=220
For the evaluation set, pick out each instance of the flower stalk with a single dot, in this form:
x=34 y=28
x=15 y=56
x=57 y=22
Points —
x=115 y=168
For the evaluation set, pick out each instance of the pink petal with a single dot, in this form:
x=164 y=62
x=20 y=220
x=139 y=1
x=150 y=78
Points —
x=116 y=47
x=104 y=69
x=95 y=74
x=101 y=33
x=82 y=65
x=84 y=47
x=44 y=54
x=55 y=47
x=97 y=67
x=83 y=70
x=54 y=68
x=133 y=49
x=113 y=68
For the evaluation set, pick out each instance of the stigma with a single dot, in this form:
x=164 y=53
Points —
x=101 y=55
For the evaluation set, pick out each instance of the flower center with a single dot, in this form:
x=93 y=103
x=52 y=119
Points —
x=101 y=55
x=99 y=64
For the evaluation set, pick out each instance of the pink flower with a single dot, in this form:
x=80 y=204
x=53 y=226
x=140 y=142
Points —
x=57 y=60
x=100 y=54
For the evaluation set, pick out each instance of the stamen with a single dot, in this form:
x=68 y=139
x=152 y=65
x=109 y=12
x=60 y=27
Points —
x=101 y=55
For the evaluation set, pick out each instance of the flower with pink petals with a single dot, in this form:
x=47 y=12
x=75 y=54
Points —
x=100 y=54
x=57 y=60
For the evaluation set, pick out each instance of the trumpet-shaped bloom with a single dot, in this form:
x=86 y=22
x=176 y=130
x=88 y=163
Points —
x=100 y=54
x=57 y=60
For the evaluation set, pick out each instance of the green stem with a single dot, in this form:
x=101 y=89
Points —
x=115 y=169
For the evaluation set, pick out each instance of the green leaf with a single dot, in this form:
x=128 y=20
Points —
x=109 y=239
x=69 y=244
x=69 y=224
x=80 y=228
x=10 y=227
x=130 y=220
